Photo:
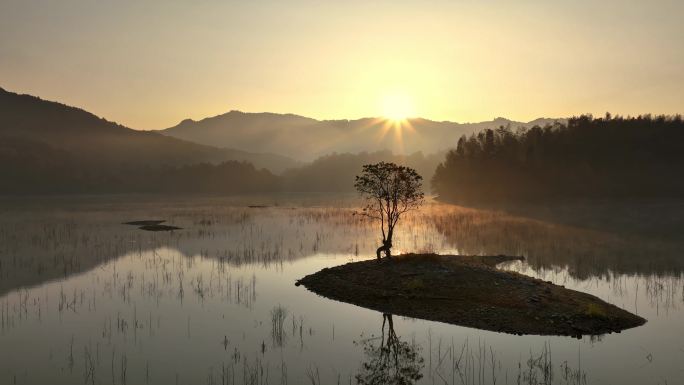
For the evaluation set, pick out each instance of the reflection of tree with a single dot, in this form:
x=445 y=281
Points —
x=547 y=243
x=392 y=361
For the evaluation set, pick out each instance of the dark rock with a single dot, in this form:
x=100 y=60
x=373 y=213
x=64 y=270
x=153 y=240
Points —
x=159 y=228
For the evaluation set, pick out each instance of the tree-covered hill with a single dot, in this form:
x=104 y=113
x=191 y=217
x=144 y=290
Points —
x=585 y=158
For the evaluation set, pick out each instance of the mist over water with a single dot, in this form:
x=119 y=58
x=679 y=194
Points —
x=86 y=299
x=178 y=180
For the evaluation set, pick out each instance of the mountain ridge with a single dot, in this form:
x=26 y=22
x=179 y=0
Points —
x=306 y=139
x=99 y=140
x=276 y=141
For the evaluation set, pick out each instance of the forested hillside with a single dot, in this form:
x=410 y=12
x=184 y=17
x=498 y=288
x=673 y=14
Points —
x=585 y=158
x=33 y=167
x=95 y=140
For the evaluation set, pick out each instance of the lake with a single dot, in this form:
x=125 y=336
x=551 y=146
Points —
x=87 y=299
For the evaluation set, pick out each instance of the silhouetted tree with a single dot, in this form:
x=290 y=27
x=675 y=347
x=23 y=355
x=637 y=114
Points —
x=392 y=361
x=390 y=190
x=315 y=176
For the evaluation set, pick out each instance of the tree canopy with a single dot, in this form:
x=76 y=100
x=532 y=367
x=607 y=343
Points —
x=389 y=191
x=585 y=158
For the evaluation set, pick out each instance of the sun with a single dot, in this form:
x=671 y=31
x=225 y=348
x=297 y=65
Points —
x=397 y=107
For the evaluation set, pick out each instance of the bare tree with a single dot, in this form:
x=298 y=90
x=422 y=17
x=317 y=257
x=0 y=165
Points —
x=390 y=190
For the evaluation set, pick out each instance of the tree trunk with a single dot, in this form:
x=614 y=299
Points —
x=386 y=247
x=388 y=244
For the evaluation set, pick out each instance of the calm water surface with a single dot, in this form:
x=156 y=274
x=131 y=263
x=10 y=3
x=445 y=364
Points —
x=88 y=300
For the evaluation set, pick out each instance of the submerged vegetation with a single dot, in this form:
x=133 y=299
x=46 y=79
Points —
x=221 y=288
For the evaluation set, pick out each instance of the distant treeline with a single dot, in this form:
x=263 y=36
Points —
x=31 y=167
x=34 y=167
x=336 y=172
x=585 y=158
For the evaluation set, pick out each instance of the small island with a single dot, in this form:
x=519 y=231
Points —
x=462 y=290
x=152 y=225
x=469 y=291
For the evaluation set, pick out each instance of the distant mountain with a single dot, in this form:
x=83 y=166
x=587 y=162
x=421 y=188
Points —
x=91 y=139
x=306 y=139
x=50 y=148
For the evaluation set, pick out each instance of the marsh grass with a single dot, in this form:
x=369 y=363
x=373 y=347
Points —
x=125 y=281
x=278 y=316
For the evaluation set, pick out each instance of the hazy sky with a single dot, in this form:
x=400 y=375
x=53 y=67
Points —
x=150 y=64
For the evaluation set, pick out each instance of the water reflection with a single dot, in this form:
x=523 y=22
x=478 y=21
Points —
x=388 y=359
x=586 y=251
x=84 y=299
x=39 y=244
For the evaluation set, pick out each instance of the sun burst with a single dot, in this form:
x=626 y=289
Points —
x=397 y=107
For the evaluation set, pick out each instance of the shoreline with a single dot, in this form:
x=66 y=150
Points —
x=469 y=291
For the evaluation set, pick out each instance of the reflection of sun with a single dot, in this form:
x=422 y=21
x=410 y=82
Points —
x=397 y=107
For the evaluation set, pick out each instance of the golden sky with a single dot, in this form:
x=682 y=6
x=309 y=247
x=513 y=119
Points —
x=150 y=64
